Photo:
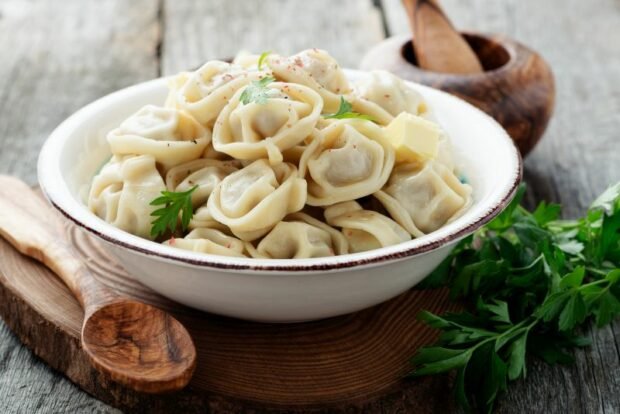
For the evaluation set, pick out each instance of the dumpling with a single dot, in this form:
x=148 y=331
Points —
x=249 y=61
x=430 y=195
x=293 y=155
x=212 y=154
x=211 y=241
x=263 y=130
x=171 y=136
x=384 y=95
x=203 y=219
x=122 y=191
x=206 y=91
x=444 y=152
x=348 y=160
x=254 y=199
x=365 y=229
x=300 y=236
x=204 y=173
x=398 y=213
x=316 y=69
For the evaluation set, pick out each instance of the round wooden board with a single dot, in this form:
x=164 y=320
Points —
x=353 y=363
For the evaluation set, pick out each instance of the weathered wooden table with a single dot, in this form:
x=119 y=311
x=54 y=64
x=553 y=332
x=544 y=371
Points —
x=57 y=56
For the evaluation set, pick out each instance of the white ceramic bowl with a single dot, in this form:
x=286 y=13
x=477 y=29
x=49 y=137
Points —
x=276 y=290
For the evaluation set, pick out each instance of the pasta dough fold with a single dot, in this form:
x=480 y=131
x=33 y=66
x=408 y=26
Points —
x=169 y=135
x=264 y=130
x=365 y=229
x=202 y=218
x=122 y=191
x=348 y=160
x=384 y=95
x=316 y=69
x=206 y=91
x=300 y=236
x=253 y=200
x=204 y=173
x=210 y=241
x=429 y=194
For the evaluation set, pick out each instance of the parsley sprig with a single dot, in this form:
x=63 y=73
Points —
x=261 y=59
x=167 y=217
x=528 y=282
x=345 y=111
x=257 y=91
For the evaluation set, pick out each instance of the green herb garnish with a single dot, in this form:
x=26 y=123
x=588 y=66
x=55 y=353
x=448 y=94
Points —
x=529 y=282
x=168 y=215
x=261 y=59
x=257 y=91
x=345 y=111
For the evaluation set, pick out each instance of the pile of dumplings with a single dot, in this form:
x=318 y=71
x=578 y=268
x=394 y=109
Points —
x=278 y=179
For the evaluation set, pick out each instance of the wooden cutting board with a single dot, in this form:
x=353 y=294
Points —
x=352 y=363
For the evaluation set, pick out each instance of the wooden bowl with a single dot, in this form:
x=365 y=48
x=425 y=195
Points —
x=516 y=88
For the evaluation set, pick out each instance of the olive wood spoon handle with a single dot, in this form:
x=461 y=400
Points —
x=438 y=46
x=136 y=344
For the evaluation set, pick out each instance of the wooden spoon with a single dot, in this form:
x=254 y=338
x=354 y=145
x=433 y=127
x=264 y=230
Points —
x=438 y=46
x=136 y=344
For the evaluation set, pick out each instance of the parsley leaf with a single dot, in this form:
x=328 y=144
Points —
x=607 y=199
x=529 y=282
x=167 y=217
x=545 y=213
x=257 y=91
x=346 y=111
x=261 y=59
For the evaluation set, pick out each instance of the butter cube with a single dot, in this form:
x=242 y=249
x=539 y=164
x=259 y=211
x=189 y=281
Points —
x=414 y=138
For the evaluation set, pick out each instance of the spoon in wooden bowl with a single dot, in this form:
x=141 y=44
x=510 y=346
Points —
x=136 y=344
x=439 y=46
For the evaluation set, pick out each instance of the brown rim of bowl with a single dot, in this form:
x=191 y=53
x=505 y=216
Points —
x=414 y=251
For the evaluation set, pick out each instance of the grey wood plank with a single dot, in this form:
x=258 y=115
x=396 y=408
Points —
x=578 y=157
x=196 y=31
x=482 y=15
x=56 y=57
x=27 y=385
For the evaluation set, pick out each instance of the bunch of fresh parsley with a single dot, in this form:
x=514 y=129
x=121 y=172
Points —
x=528 y=282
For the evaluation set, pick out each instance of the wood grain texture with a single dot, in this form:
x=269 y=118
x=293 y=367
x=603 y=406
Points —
x=135 y=344
x=474 y=15
x=90 y=48
x=355 y=362
x=196 y=31
x=439 y=47
x=25 y=223
x=57 y=57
